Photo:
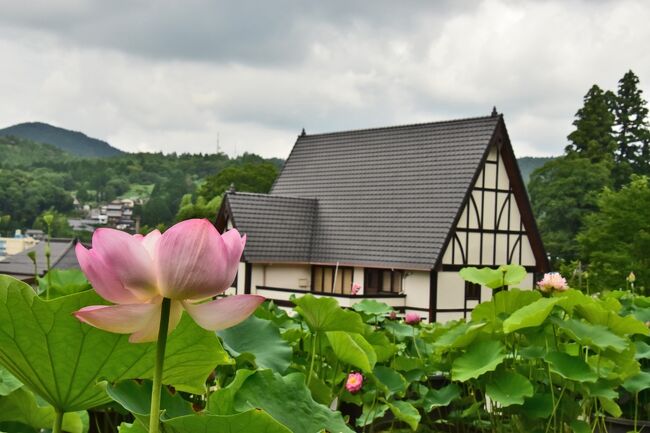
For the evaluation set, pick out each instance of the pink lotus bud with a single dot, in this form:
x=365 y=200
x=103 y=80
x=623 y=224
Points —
x=552 y=281
x=355 y=288
x=189 y=263
x=412 y=318
x=354 y=382
x=392 y=315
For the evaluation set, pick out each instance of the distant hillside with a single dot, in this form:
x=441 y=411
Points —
x=528 y=164
x=18 y=152
x=72 y=142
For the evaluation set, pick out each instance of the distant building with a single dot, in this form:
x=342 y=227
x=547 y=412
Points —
x=398 y=210
x=17 y=244
x=20 y=266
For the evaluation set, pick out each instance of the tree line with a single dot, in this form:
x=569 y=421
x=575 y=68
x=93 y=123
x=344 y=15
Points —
x=592 y=204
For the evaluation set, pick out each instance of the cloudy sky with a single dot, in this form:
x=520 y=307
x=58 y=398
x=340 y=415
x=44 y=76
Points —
x=175 y=75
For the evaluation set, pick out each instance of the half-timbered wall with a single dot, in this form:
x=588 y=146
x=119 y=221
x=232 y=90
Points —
x=489 y=232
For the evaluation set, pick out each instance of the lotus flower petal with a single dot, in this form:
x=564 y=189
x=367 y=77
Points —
x=103 y=278
x=224 y=312
x=150 y=241
x=149 y=332
x=127 y=256
x=192 y=261
x=235 y=244
x=120 y=319
x=141 y=320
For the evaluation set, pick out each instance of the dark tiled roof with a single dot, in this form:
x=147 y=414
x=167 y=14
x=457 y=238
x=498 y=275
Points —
x=386 y=196
x=278 y=228
x=20 y=265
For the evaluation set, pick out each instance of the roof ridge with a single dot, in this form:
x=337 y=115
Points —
x=260 y=194
x=406 y=125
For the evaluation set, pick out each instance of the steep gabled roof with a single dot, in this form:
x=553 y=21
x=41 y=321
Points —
x=386 y=197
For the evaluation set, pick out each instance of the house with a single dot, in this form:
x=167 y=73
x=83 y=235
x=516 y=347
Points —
x=20 y=266
x=398 y=210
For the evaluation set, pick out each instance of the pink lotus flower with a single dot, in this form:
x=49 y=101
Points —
x=189 y=263
x=412 y=318
x=355 y=288
x=552 y=281
x=354 y=382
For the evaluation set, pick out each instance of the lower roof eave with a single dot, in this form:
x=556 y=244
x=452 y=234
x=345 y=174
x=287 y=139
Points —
x=358 y=264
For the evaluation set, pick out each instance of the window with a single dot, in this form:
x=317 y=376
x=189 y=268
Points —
x=472 y=291
x=382 y=281
x=330 y=279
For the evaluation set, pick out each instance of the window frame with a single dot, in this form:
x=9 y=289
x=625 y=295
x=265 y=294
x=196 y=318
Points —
x=380 y=277
x=342 y=270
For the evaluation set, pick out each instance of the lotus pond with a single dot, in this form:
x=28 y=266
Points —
x=533 y=361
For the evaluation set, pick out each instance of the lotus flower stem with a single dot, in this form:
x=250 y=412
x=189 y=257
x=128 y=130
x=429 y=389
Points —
x=58 y=421
x=154 y=420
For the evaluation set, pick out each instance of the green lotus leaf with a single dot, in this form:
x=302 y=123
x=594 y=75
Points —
x=529 y=316
x=570 y=367
x=352 y=349
x=383 y=347
x=21 y=407
x=503 y=304
x=372 y=307
x=405 y=412
x=479 y=358
x=8 y=383
x=642 y=350
x=62 y=360
x=597 y=336
x=286 y=399
x=261 y=338
x=508 y=387
x=324 y=314
x=63 y=282
x=638 y=382
x=505 y=275
x=390 y=380
x=538 y=406
x=440 y=397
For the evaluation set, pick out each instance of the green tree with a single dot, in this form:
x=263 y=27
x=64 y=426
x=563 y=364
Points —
x=562 y=192
x=593 y=137
x=200 y=209
x=632 y=134
x=616 y=240
x=249 y=177
x=60 y=226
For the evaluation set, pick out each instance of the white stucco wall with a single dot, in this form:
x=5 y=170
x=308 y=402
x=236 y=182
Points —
x=416 y=288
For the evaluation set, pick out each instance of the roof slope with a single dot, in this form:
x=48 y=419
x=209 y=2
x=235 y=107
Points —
x=386 y=196
x=21 y=266
x=277 y=228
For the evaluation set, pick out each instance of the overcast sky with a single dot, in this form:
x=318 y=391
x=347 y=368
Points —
x=175 y=75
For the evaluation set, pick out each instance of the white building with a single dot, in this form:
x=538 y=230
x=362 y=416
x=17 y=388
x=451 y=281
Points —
x=399 y=210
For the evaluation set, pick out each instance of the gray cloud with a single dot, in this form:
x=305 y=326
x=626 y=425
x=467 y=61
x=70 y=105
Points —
x=172 y=75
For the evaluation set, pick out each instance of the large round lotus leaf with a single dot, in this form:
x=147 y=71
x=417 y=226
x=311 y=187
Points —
x=570 y=367
x=638 y=383
x=62 y=360
x=251 y=421
x=261 y=338
x=8 y=383
x=506 y=275
x=503 y=304
x=21 y=407
x=479 y=358
x=508 y=387
x=353 y=349
x=529 y=316
x=405 y=412
x=286 y=399
x=595 y=336
x=325 y=314
x=390 y=380
x=440 y=397
x=372 y=307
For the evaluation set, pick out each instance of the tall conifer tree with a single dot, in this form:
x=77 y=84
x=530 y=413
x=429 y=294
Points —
x=632 y=134
x=593 y=137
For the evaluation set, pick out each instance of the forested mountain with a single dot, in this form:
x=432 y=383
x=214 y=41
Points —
x=528 y=164
x=15 y=152
x=73 y=142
